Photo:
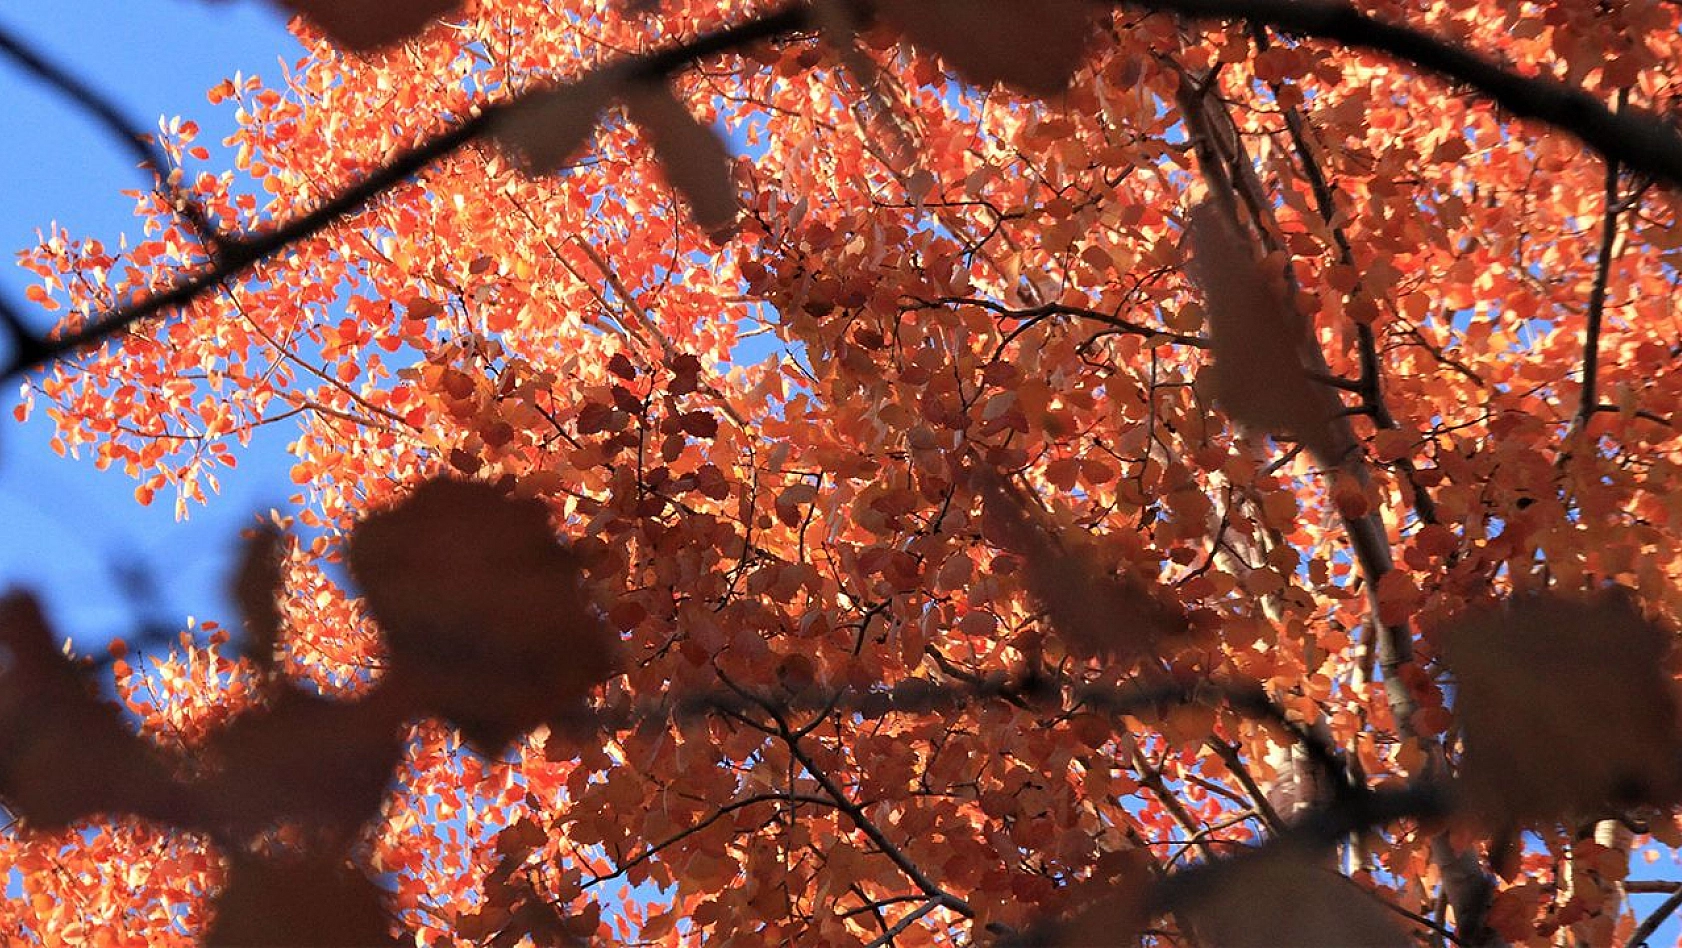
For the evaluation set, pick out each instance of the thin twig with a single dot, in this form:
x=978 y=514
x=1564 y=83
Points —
x=1590 y=399
x=1058 y=309
x=887 y=937
x=1650 y=924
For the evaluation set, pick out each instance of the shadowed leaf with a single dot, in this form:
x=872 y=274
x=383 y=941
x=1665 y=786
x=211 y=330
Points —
x=543 y=130
x=1281 y=897
x=368 y=24
x=257 y=588
x=326 y=763
x=1109 y=908
x=482 y=607
x=692 y=155
x=1258 y=376
x=312 y=901
x=1034 y=45
x=1566 y=707
x=64 y=754
x=1096 y=611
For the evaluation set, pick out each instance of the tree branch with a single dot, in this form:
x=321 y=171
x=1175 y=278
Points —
x=1650 y=924
x=1642 y=141
x=937 y=895
x=1058 y=309
x=1590 y=400
x=887 y=937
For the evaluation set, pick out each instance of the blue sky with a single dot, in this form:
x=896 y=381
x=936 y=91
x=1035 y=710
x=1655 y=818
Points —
x=68 y=531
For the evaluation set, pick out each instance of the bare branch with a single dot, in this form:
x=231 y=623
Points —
x=1650 y=924
x=1590 y=400
x=887 y=937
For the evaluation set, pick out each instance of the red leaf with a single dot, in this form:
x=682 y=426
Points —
x=701 y=424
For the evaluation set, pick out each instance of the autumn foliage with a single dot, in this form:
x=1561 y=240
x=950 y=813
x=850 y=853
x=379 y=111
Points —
x=921 y=472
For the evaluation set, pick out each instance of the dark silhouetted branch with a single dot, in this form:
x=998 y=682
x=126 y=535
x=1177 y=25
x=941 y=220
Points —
x=1637 y=140
x=1650 y=924
x=1590 y=400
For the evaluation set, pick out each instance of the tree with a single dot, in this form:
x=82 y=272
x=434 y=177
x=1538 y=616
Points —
x=1215 y=483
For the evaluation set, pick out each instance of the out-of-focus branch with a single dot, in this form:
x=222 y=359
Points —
x=138 y=144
